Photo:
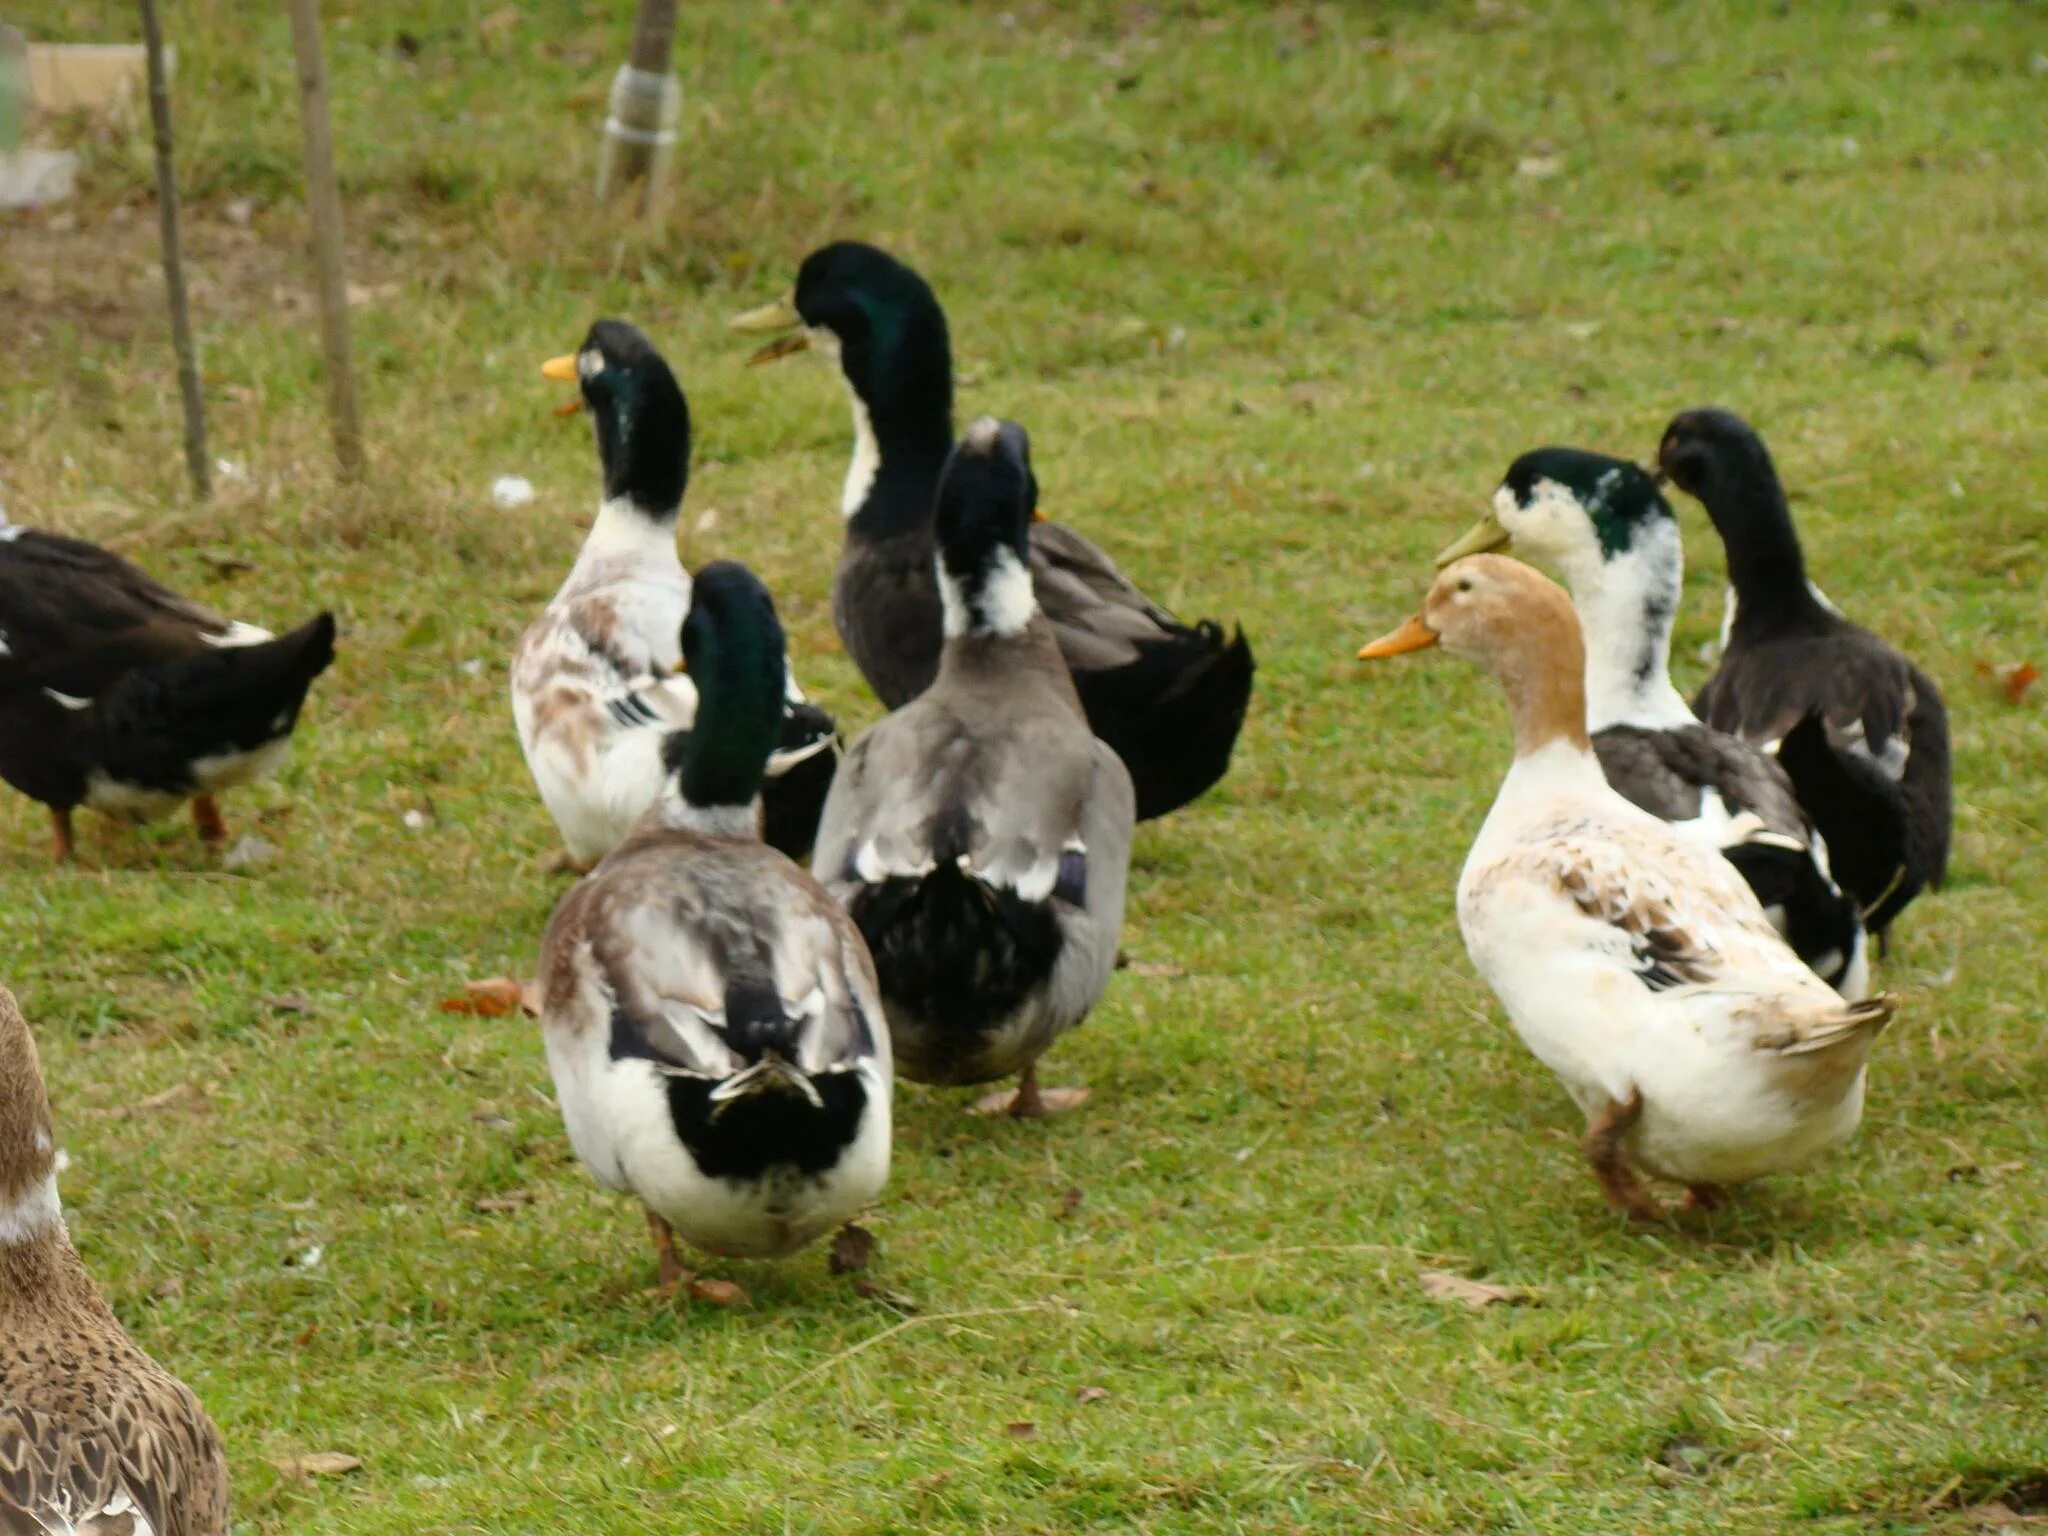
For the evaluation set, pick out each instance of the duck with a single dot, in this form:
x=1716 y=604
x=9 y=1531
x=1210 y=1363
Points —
x=1605 y=526
x=120 y=695
x=1633 y=960
x=980 y=835
x=710 y=1014
x=1169 y=697
x=595 y=690
x=95 y=1436
x=1876 y=777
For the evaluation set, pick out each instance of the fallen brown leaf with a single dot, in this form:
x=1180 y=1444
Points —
x=1070 y=1204
x=853 y=1249
x=288 y=1002
x=498 y=1204
x=1091 y=1395
x=1022 y=1429
x=2012 y=678
x=1156 y=968
x=495 y=997
x=318 y=1464
x=718 y=1293
x=1442 y=1285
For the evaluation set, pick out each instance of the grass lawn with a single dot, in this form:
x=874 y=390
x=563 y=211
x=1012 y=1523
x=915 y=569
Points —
x=1279 y=292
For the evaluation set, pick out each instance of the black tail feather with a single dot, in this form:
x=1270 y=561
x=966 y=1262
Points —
x=1173 y=715
x=238 y=698
x=955 y=952
x=1860 y=814
x=1820 y=920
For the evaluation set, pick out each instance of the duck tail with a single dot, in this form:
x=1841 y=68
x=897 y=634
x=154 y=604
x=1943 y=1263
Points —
x=1852 y=1022
x=1173 y=715
x=953 y=949
x=1859 y=813
x=1822 y=923
x=234 y=699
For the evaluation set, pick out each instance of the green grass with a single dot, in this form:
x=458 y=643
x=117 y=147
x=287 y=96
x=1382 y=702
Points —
x=1279 y=296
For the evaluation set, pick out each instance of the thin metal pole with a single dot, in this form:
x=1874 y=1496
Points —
x=323 y=201
x=197 y=464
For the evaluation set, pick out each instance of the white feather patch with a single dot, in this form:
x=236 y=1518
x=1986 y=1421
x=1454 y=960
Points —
x=1005 y=602
x=67 y=700
x=32 y=1215
x=237 y=633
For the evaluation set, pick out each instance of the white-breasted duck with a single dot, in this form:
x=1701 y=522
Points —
x=1169 y=697
x=1602 y=523
x=94 y=1435
x=1632 y=960
x=981 y=834
x=595 y=690
x=118 y=694
x=711 y=1016
x=1876 y=782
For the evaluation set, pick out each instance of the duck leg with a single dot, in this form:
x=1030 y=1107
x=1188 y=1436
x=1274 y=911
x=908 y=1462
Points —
x=1028 y=1101
x=60 y=833
x=1705 y=1197
x=1602 y=1144
x=668 y=1267
x=206 y=816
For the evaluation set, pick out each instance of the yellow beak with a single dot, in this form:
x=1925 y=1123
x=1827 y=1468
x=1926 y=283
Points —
x=1411 y=636
x=779 y=316
x=1486 y=534
x=563 y=371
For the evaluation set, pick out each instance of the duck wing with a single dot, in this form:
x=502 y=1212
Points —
x=77 y=616
x=707 y=960
x=1168 y=697
x=143 y=1454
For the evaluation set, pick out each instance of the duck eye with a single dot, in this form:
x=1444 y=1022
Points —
x=1464 y=583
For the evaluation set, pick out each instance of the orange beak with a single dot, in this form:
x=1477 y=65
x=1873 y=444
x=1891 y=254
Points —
x=1411 y=636
x=563 y=371
x=781 y=346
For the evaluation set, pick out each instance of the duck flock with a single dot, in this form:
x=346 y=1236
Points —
x=1678 y=905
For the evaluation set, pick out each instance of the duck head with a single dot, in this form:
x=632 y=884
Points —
x=1520 y=626
x=1573 y=509
x=639 y=413
x=987 y=500
x=28 y=1151
x=1718 y=457
x=733 y=650
x=1603 y=524
x=882 y=324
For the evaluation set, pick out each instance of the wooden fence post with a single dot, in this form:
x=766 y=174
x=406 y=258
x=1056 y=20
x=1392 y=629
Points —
x=197 y=464
x=646 y=103
x=323 y=201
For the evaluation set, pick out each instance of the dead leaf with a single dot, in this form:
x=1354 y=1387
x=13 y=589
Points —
x=853 y=1248
x=2013 y=679
x=718 y=1293
x=497 y=1205
x=495 y=997
x=288 y=1002
x=1091 y=1395
x=1070 y=1204
x=1163 y=968
x=1442 y=1285
x=1022 y=1429
x=318 y=1464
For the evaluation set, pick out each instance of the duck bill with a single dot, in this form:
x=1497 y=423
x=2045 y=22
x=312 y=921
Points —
x=1411 y=636
x=779 y=316
x=562 y=370
x=1482 y=537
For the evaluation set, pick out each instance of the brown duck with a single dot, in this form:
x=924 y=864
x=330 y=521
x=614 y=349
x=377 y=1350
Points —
x=95 y=1437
